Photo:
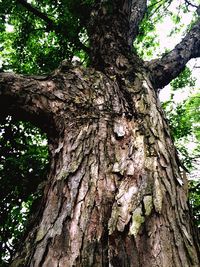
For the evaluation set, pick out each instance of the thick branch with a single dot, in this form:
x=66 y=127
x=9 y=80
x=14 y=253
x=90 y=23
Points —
x=164 y=70
x=137 y=12
x=28 y=98
x=51 y=25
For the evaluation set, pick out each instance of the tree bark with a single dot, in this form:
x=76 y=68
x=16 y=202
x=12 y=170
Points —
x=165 y=69
x=115 y=195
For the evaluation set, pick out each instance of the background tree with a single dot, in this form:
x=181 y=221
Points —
x=114 y=186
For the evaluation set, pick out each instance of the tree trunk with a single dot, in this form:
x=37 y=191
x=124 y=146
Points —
x=115 y=195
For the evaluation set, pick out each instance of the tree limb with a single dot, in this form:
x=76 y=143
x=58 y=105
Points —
x=51 y=25
x=42 y=100
x=25 y=97
x=165 y=69
x=137 y=11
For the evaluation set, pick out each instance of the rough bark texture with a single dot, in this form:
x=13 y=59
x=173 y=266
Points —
x=115 y=194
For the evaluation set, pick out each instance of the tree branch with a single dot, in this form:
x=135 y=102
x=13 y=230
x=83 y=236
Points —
x=190 y=4
x=165 y=69
x=42 y=100
x=26 y=97
x=137 y=11
x=51 y=25
x=37 y=13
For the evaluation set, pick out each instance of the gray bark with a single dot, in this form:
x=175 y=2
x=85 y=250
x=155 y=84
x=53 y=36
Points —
x=165 y=69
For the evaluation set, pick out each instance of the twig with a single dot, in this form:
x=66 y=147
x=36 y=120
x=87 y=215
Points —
x=190 y=4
